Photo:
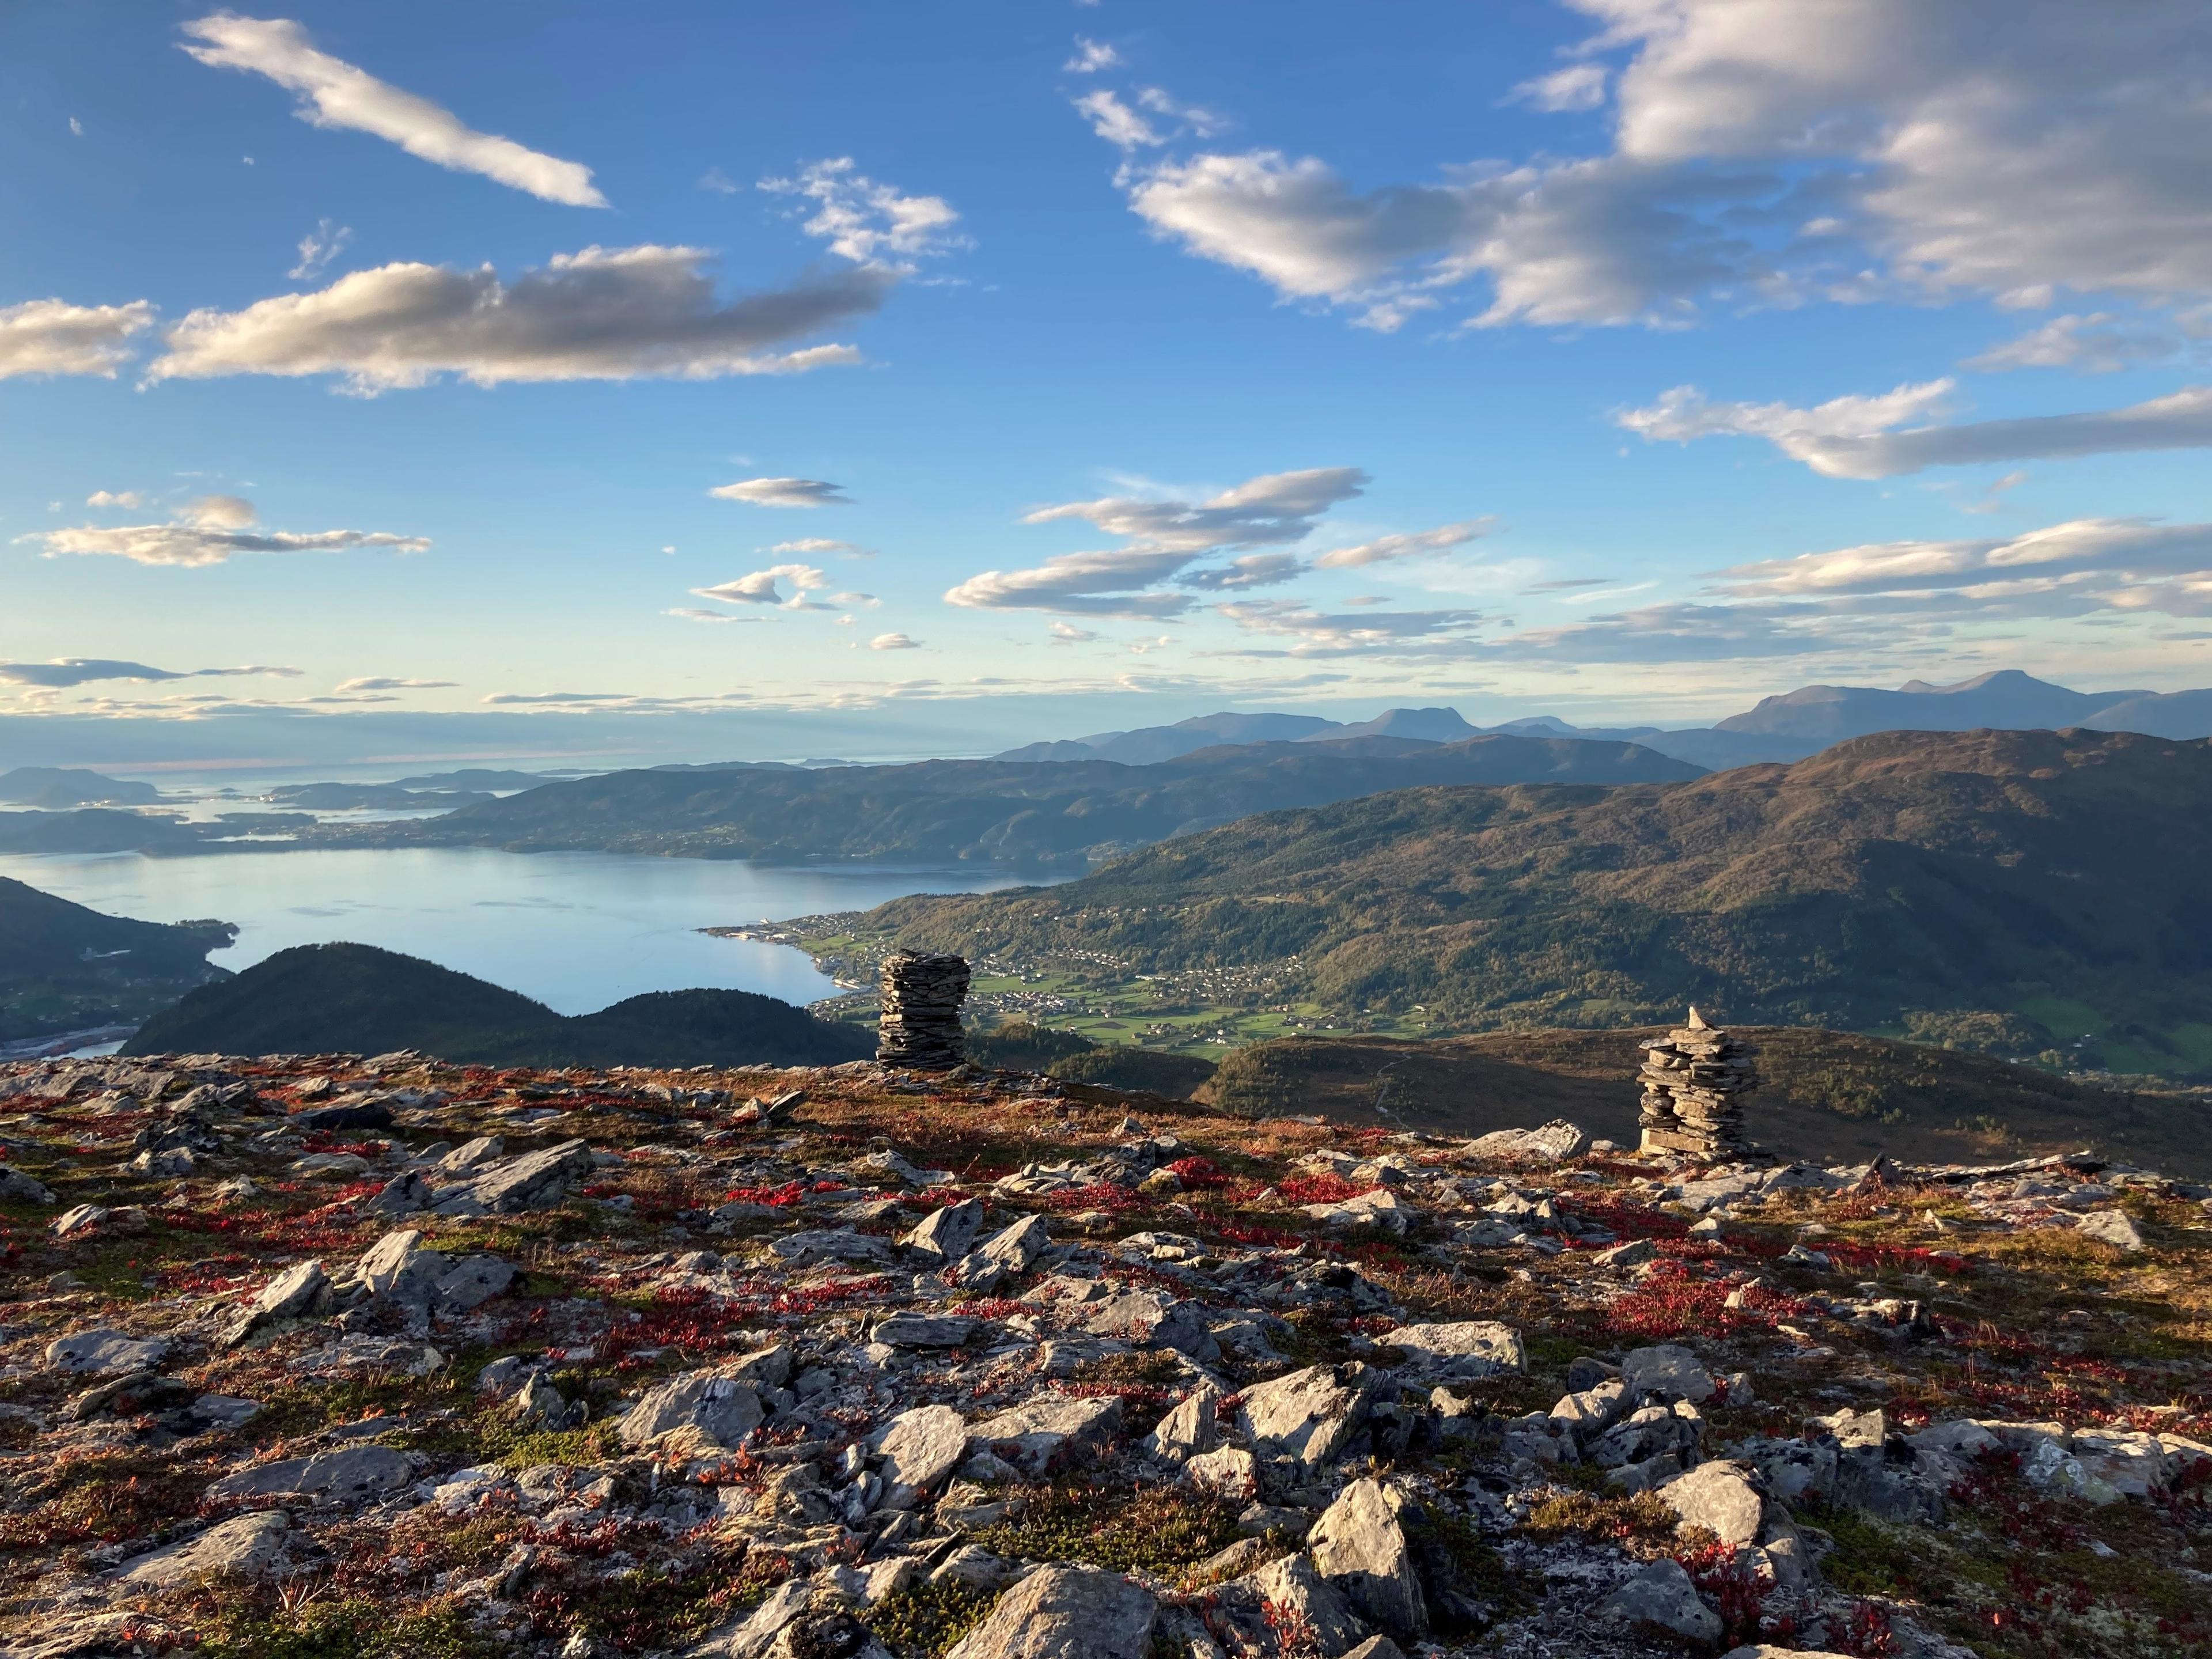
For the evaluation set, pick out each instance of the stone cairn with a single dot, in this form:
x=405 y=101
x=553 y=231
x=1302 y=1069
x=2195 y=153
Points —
x=1695 y=1079
x=919 y=1023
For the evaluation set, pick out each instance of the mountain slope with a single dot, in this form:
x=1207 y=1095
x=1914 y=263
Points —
x=356 y=999
x=1894 y=874
x=2006 y=701
x=64 y=967
x=1005 y=811
x=57 y=786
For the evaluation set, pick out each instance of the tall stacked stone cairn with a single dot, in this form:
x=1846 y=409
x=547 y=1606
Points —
x=919 y=1025
x=1694 y=1081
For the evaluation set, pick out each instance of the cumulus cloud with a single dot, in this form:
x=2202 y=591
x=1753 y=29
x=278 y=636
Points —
x=1419 y=544
x=1852 y=437
x=1091 y=57
x=382 y=683
x=872 y=224
x=333 y=93
x=131 y=498
x=1763 y=150
x=1116 y=123
x=783 y=492
x=1274 y=507
x=893 y=642
x=210 y=531
x=51 y=336
x=319 y=247
x=759 y=587
x=598 y=314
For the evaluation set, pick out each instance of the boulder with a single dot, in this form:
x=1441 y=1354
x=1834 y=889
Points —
x=1668 y=1370
x=105 y=1350
x=947 y=1234
x=710 y=1410
x=293 y=1294
x=2115 y=1227
x=915 y=1330
x=1306 y=1416
x=16 y=1188
x=1289 y=1596
x=1467 y=1349
x=1720 y=1497
x=351 y=1474
x=920 y=1448
x=1065 y=1613
x=1049 y=1431
x=1225 y=1469
x=1187 y=1430
x=1663 y=1595
x=247 y=1547
x=1553 y=1142
x=1359 y=1545
x=532 y=1181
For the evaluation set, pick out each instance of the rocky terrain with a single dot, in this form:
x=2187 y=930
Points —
x=339 y=1357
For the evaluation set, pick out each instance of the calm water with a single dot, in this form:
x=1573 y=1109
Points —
x=575 y=930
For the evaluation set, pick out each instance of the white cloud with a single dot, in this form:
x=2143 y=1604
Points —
x=717 y=181
x=816 y=545
x=335 y=93
x=1252 y=570
x=1098 y=584
x=693 y=613
x=210 y=531
x=51 y=337
x=857 y=601
x=1091 y=57
x=1682 y=633
x=76 y=127
x=1578 y=86
x=64 y=672
x=2127 y=550
x=1853 y=437
x=783 y=492
x=2100 y=342
x=872 y=224
x=319 y=247
x=759 y=587
x=1276 y=507
x=1116 y=123
x=1069 y=634
x=598 y=314
x=382 y=683
x=893 y=642
x=1765 y=151
x=1418 y=545
x=1391 y=634
x=115 y=498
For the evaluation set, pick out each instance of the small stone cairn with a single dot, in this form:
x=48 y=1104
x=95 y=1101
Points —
x=1695 y=1079
x=919 y=1023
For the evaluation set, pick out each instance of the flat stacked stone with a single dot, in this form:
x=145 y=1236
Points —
x=1694 y=1081
x=919 y=1026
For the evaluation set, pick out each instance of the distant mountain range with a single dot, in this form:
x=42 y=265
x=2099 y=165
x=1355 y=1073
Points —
x=1788 y=727
x=356 y=999
x=2048 y=884
x=64 y=967
x=58 y=785
x=942 y=812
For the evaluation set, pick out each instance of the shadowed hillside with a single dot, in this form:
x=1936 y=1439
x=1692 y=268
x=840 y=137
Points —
x=355 y=999
x=2057 y=876
x=64 y=967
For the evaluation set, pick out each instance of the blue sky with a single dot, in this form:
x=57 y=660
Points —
x=1623 y=359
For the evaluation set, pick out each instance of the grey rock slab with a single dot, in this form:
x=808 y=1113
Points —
x=2111 y=1227
x=1298 y=1596
x=1189 y=1429
x=292 y=1294
x=473 y=1281
x=247 y=1547
x=532 y=1181
x=105 y=1350
x=717 y=1409
x=1066 y=1613
x=1307 y=1415
x=16 y=1188
x=947 y=1234
x=1014 y=1247
x=1663 y=1595
x=1466 y=1348
x=921 y=1447
x=1049 y=1431
x=1719 y=1497
x=1359 y=1545
x=1668 y=1369
x=913 y=1330
x=1376 y=1647
x=1549 y=1144
x=352 y=1474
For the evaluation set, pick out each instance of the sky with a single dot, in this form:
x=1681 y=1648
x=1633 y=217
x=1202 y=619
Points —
x=730 y=379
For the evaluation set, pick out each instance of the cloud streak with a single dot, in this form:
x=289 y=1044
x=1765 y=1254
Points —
x=209 y=531
x=598 y=314
x=334 y=93
x=783 y=492
x=51 y=336
x=65 y=672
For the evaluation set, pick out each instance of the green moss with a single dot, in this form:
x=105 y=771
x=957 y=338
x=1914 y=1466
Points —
x=924 y=1620
x=1158 y=1530
x=353 y=1629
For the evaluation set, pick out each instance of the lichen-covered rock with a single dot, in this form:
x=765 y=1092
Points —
x=351 y=1474
x=1066 y=1613
x=1306 y=1416
x=1663 y=1595
x=1359 y=1545
x=247 y=1547
x=708 y=1410
x=105 y=1350
x=920 y=1448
